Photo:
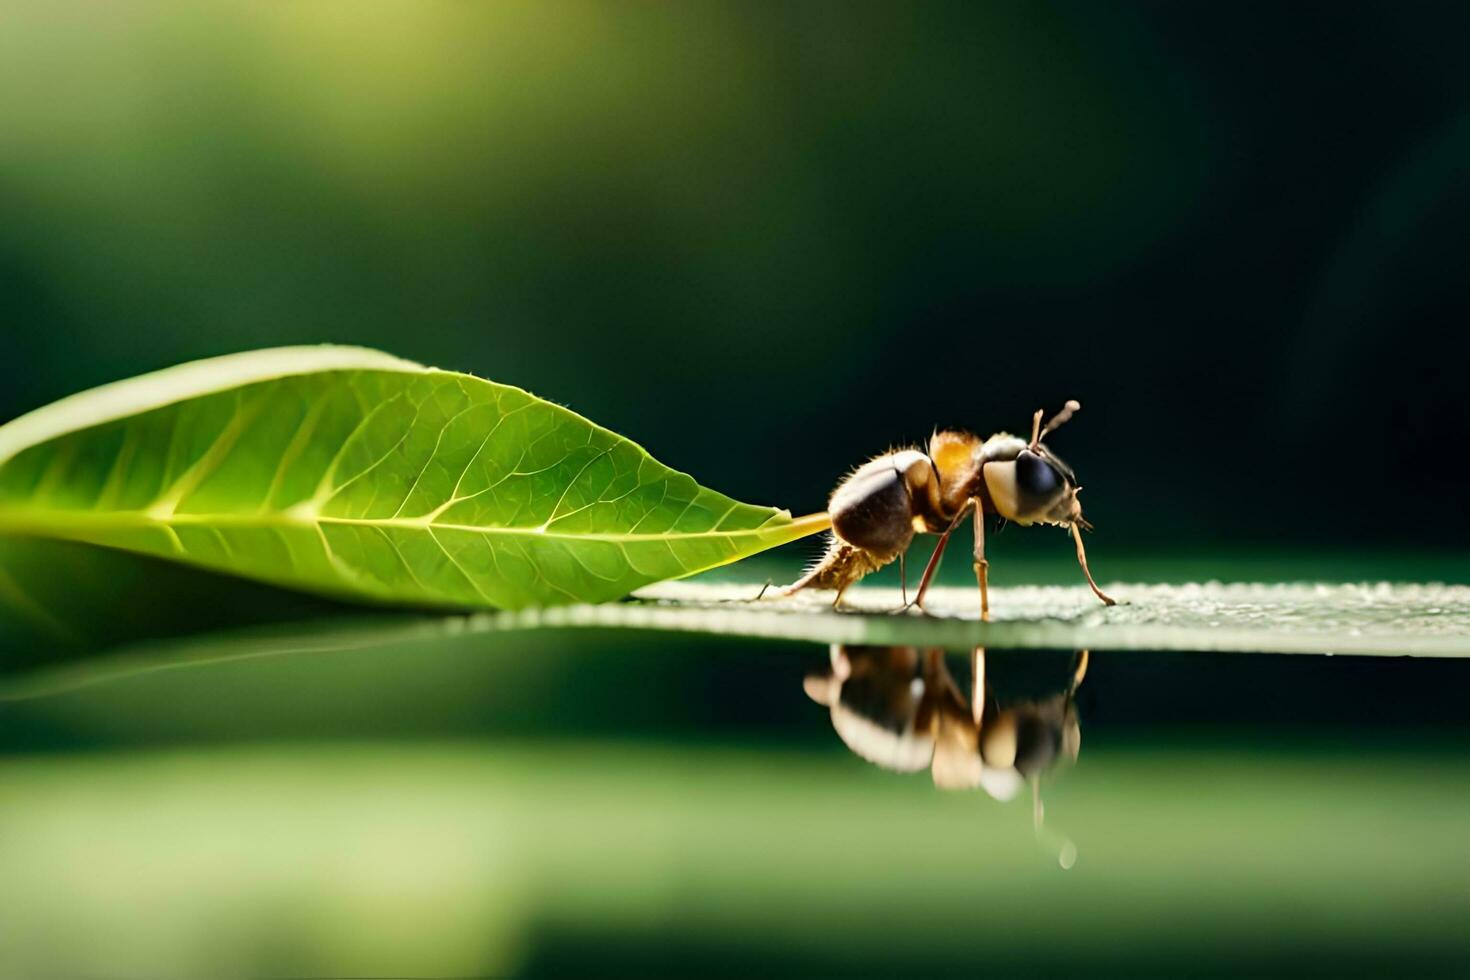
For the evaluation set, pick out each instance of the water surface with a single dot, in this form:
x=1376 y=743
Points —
x=605 y=804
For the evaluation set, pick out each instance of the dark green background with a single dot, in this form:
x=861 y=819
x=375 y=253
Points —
x=767 y=241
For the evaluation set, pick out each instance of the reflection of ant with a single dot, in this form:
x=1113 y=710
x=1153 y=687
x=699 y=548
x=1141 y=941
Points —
x=900 y=708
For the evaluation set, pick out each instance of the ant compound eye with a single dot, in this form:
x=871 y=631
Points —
x=1035 y=477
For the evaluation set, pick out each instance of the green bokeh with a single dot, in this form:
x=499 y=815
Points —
x=502 y=859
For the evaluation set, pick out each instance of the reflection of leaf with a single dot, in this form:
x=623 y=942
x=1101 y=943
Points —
x=352 y=473
x=1411 y=620
x=61 y=601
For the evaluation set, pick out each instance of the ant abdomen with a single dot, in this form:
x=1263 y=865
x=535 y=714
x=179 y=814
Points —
x=874 y=508
x=873 y=519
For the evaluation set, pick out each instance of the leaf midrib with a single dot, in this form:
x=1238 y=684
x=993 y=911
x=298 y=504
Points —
x=66 y=524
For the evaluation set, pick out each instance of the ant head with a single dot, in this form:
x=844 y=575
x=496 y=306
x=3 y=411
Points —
x=1028 y=483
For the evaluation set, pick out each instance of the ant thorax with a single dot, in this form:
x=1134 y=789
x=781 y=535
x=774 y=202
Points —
x=956 y=457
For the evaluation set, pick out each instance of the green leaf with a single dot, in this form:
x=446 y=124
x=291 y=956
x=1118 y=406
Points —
x=351 y=473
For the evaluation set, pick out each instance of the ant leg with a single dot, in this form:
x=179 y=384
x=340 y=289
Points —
x=933 y=565
x=1079 y=670
x=764 y=588
x=903 y=584
x=977 y=684
x=982 y=566
x=1082 y=560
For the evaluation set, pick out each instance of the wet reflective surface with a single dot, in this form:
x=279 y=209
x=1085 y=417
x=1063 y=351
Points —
x=596 y=804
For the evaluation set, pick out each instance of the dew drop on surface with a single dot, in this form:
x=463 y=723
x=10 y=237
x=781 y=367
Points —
x=1068 y=856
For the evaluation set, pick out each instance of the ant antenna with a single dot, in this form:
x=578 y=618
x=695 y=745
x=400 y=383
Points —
x=1057 y=420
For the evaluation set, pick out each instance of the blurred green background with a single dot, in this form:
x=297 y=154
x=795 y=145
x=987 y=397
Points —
x=767 y=241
